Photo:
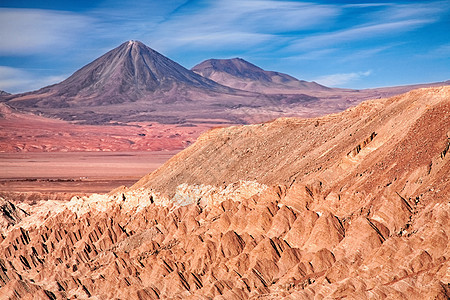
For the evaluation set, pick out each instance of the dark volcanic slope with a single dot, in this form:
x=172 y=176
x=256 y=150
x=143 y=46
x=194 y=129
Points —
x=130 y=72
x=241 y=74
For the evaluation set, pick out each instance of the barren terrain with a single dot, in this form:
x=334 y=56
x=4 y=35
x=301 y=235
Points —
x=350 y=205
x=76 y=172
x=25 y=132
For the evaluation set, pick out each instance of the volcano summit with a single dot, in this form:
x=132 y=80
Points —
x=129 y=83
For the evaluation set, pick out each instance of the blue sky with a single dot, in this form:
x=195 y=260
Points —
x=352 y=44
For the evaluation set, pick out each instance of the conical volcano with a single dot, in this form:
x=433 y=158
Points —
x=128 y=73
x=132 y=83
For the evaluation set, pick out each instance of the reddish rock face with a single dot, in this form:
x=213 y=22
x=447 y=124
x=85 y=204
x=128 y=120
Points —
x=301 y=209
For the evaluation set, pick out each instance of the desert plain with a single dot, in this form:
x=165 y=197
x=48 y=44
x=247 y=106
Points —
x=75 y=172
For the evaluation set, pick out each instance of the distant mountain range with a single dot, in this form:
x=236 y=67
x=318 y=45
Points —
x=134 y=83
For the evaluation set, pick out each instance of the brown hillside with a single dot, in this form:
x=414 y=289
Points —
x=379 y=146
x=352 y=205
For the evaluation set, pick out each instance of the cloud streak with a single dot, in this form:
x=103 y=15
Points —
x=14 y=80
x=27 y=31
x=442 y=51
x=240 y=24
x=386 y=20
x=358 y=33
x=340 y=79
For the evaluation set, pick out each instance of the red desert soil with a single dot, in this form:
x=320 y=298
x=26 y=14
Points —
x=350 y=205
x=42 y=157
x=25 y=132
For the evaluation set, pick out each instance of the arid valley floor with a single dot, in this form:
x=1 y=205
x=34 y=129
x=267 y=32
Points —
x=61 y=175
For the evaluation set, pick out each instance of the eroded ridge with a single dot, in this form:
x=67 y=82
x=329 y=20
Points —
x=275 y=210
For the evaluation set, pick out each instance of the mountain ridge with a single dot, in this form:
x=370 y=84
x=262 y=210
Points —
x=231 y=72
x=306 y=133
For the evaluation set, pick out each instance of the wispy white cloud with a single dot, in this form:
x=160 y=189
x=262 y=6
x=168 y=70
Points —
x=358 y=33
x=276 y=16
x=365 y=54
x=441 y=51
x=340 y=79
x=131 y=19
x=385 y=20
x=239 y=23
x=223 y=38
x=27 y=31
x=396 y=12
x=14 y=80
x=366 y=5
x=312 y=55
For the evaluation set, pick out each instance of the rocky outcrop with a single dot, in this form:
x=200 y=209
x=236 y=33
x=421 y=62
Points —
x=276 y=210
x=231 y=249
x=10 y=214
x=362 y=145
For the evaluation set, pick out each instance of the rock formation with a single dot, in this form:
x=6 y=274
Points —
x=351 y=205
